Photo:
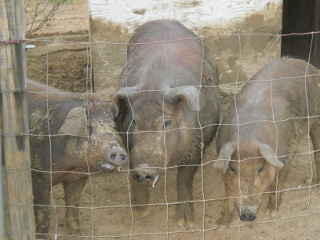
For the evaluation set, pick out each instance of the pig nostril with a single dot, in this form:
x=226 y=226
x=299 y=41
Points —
x=123 y=157
x=113 y=155
x=248 y=217
x=142 y=178
x=149 y=178
x=136 y=176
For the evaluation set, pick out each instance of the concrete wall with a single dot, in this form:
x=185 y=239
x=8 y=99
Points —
x=242 y=34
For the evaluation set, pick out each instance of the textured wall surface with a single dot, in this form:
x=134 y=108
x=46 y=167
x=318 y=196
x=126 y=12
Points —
x=200 y=13
x=242 y=34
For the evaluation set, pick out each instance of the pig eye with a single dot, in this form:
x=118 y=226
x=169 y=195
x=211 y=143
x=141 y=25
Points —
x=132 y=123
x=167 y=123
x=261 y=169
x=89 y=129
x=232 y=169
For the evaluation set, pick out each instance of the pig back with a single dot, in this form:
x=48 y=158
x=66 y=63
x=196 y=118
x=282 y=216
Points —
x=48 y=107
x=273 y=106
x=294 y=85
x=167 y=51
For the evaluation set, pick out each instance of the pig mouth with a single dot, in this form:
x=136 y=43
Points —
x=149 y=181
x=109 y=167
x=146 y=175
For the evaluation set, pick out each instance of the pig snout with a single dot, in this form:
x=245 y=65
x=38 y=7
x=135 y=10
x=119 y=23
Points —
x=145 y=174
x=117 y=156
x=247 y=214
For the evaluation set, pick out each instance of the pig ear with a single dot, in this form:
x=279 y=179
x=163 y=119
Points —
x=119 y=98
x=76 y=123
x=224 y=157
x=267 y=153
x=186 y=94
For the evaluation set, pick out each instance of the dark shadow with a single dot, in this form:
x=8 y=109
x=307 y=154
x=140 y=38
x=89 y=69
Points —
x=302 y=18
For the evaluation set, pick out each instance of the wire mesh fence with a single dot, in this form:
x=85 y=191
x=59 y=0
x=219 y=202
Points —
x=72 y=128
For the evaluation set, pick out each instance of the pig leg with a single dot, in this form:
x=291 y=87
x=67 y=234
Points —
x=41 y=193
x=227 y=208
x=140 y=196
x=72 y=191
x=275 y=195
x=184 y=192
x=273 y=201
x=315 y=137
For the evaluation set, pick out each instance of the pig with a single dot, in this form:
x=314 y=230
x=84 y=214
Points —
x=166 y=110
x=260 y=130
x=71 y=136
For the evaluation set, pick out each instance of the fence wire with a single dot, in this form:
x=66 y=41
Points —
x=105 y=209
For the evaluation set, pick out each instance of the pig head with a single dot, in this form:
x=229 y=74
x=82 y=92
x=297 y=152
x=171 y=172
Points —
x=156 y=135
x=248 y=170
x=98 y=143
x=83 y=136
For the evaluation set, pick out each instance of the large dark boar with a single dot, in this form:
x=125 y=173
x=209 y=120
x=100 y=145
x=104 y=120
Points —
x=166 y=108
x=262 y=126
x=71 y=136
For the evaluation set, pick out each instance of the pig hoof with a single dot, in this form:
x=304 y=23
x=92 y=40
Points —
x=74 y=229
x=75 y=232
x=190 y=223
x=145 y=212
x=185 y=223
x=272 y=208
x=218 y=227
x=224 y=220
x=271 y=213
x=142 y=211
x=180 y=222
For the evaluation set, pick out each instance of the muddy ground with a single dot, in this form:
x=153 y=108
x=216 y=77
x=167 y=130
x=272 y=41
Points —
x=105 y=211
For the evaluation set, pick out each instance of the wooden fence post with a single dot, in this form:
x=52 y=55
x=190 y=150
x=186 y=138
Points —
x=14 y=126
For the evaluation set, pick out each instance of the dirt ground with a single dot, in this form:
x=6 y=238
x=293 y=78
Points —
x=105 y=211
